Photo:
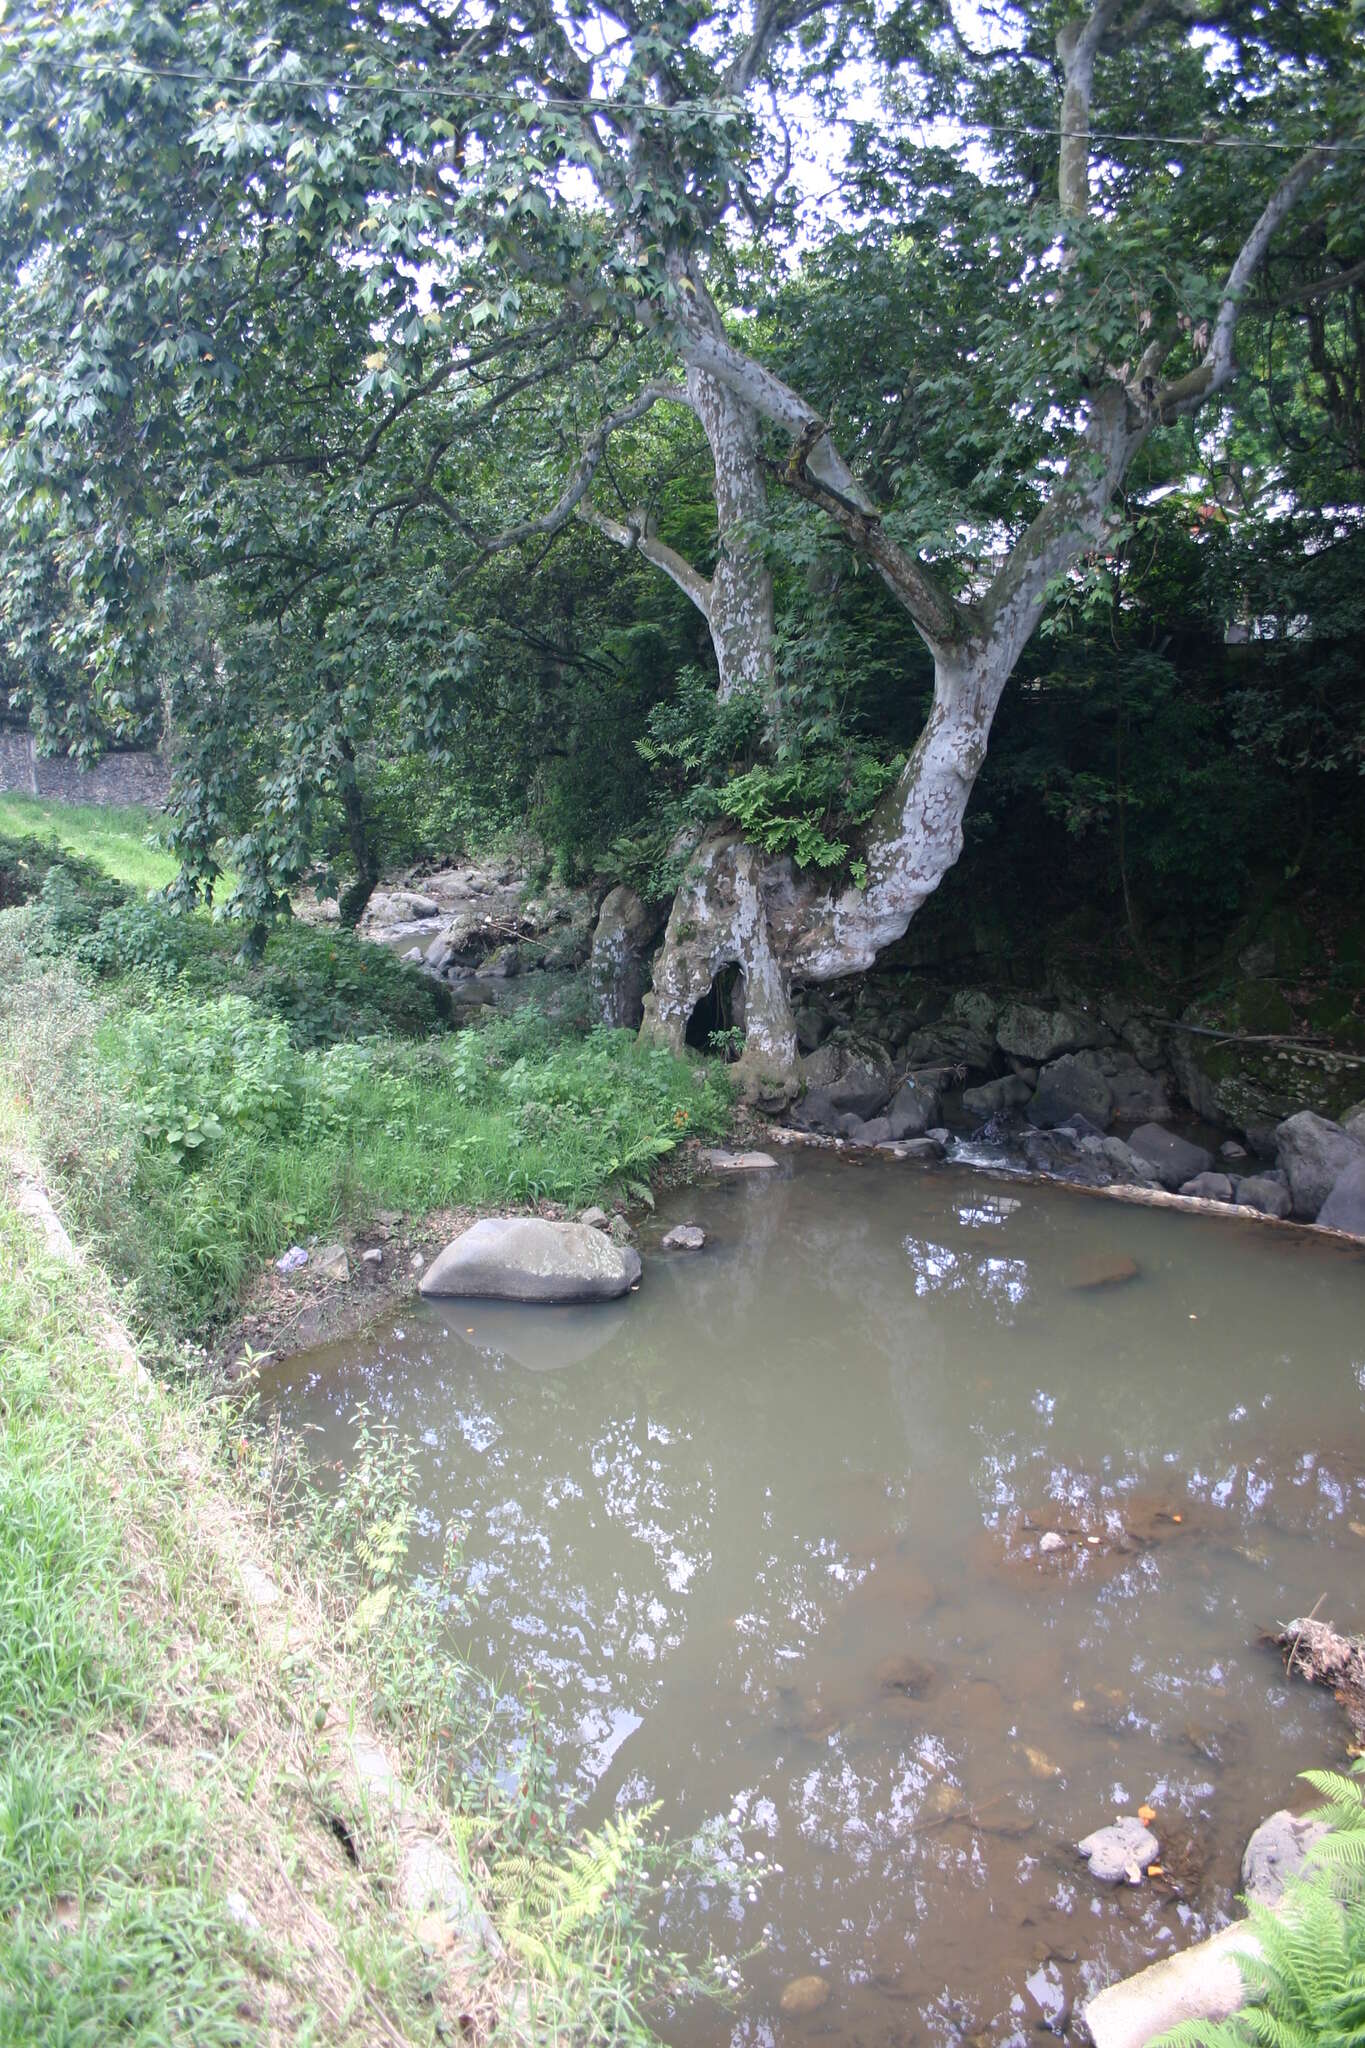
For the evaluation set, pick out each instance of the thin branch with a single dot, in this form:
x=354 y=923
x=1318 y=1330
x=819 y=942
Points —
x=1188 y=393
x=634 y=535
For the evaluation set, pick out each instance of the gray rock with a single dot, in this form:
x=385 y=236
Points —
x=1126 y=1164
x=1344 y=1208
x=1209 y=1187
x=1067 y=1087
x=330 y=1262
x=619 y=1230
x=721 y=1161
x=1259 y=1191
x=525 y=1258
x=406 y=903
x=1314 y=1153
x=915 y=1107
x=595 y=1218
x=1277 y=1852
x=502 y=964
x=1353 y=1121
x=1011 y=1091
x=854 y=1074
x=815 y=1112
x=1144 y=1042
x=373 y=1257
x=1230 y=1149
x=414 y=957
x=813 y=1024
x=1174 y=1160
x=1033 y=1033
x=683 y=1237
x=927 y=1147
x=1114 y=1853
x=876 y=1130
x=618 y=972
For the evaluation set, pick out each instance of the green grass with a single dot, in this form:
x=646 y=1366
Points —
x=109 y=1927
x=158 y=1761
x=198 y=1136
x=122 y=839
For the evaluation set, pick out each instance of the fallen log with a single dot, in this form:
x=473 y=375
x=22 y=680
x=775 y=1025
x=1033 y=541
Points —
x=1200 y=1205
x=1324 y=1657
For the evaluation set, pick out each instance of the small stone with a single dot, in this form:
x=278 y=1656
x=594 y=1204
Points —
x=373 y=1257
x=389 y=1218
x=259 y=1587
x=803 y=1995
x=1051 y=1541
x=595 y=1218
x=331 y=1263
x=292 y=1260
x=240 y=1913
x=619 y=1230
x=1258 y=1191
x=684 y=1237
x=1116 y=1852
x=417 y=1261
x=1039 y=1762
x=1230 y=1149
x=1208 y=1187
x=721 y=1161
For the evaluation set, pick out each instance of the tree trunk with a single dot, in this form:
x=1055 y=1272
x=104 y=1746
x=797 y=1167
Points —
x=737 y=907
x=739 y=610
x=354 y=898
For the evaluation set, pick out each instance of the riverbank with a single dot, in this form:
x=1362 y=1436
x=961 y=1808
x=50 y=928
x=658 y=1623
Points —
x=247 y=1789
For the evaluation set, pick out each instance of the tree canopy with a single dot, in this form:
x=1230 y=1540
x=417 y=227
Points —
x=508 y=387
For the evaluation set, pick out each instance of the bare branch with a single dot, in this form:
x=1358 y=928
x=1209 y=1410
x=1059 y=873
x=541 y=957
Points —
x=635 y=535
x=590 y=456
x=1188 y=393
x=940 y=621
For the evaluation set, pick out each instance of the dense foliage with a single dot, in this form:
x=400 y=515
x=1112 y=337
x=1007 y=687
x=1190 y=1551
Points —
x=313 y=320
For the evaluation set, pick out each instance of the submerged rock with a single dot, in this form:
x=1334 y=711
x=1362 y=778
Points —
x=684 y=1237
x=803 y=1994
x=1121 y=1852
x=524 y=1258
x=1104 y=1269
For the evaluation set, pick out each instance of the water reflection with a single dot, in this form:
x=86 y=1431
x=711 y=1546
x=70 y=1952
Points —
x=768 y=1538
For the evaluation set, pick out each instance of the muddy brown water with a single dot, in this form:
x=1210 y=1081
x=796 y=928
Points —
x=766 y=1537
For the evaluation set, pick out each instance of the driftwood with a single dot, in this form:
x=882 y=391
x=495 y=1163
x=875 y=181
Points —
x=1200 y=1205
x=1319 y=1654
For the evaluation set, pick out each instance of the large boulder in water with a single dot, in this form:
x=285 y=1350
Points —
x=618 y=970
x=524 y=1258
x=1314 y=1154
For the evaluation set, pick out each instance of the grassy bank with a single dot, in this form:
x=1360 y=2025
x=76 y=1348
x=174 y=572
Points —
x=203 y=1112
x=186 y=1854
x=166 y=1872
x=124 y=840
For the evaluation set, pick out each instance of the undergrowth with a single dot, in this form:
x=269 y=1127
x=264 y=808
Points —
x=199 y=1134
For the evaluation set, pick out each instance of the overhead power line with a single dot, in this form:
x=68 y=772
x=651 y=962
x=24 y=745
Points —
x=654 y=110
